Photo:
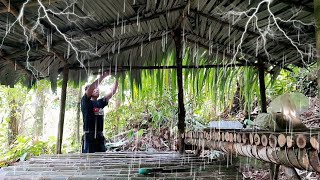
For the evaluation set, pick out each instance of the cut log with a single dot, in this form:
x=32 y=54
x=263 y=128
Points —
x=201 y=135
x=314 y=141
x=264 y=140
x=219 y=136
x=222 y=136
x=302 y=141
x=304 y=159
x=282 y=140
x=238 y=137
x=226 y=136
x=238 y=148
x=283 y=157
x=273 y=140
x=211 y=135
x=231 y=137
x=262 y=153
x=291 y=141
x=289 y=122
x=314 y=160
x=251 y=139
x=254 y=151
x=271 y=155
x=244 y=138
x=256 y=139
x=293 y=158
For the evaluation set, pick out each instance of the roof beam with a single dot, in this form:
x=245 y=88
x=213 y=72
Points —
x=121 y=49
x=216 y=42
x=240 y=28
x=231 y=55
x=15 y=63
x=60 y=42
x=129 y=21
x=15 y=12
x=30 y=4
x=128 y=68
x=110 y=26
x=297 y=4
x=227 y=55
x=147 y=41
x=127 y=48
x=110 y=54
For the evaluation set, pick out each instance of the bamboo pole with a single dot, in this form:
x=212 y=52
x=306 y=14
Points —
x=62 y=108
x=317 y=19
x=78 y=110
x=274 y=169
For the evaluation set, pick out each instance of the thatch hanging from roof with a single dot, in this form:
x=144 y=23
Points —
x=140 y=32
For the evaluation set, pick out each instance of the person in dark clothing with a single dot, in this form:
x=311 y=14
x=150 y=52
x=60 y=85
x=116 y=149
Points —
x=92 y=111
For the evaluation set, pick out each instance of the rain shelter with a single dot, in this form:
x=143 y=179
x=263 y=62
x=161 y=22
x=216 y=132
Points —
x=42 y=39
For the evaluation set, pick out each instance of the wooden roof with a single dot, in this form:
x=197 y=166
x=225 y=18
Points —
x=136 y=33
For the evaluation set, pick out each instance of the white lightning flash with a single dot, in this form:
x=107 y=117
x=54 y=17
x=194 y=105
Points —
x=268 y=31
x=30 y=32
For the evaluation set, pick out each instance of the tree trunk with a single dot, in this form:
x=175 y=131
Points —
x=13 y=123
x=39 y=114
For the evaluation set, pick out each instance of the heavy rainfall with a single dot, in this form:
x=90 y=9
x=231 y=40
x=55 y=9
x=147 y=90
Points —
x=208 y=89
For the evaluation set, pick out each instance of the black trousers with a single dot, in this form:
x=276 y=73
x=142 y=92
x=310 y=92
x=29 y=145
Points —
x=91 y=144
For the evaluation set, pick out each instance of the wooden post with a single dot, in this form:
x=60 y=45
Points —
x=78 y=110
x=182 y=111
x=262 y=87
x=317 y=19
x=274 y=168
x=62 y=108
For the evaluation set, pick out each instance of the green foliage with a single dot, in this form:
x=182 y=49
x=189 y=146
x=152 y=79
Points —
x=149 y=109
x=285 y=82
x=24 y=145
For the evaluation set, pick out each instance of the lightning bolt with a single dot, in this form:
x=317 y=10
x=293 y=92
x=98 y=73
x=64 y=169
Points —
x=268 y=31
x=30 y=32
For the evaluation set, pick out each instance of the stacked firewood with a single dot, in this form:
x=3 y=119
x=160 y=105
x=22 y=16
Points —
x=293 y=149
